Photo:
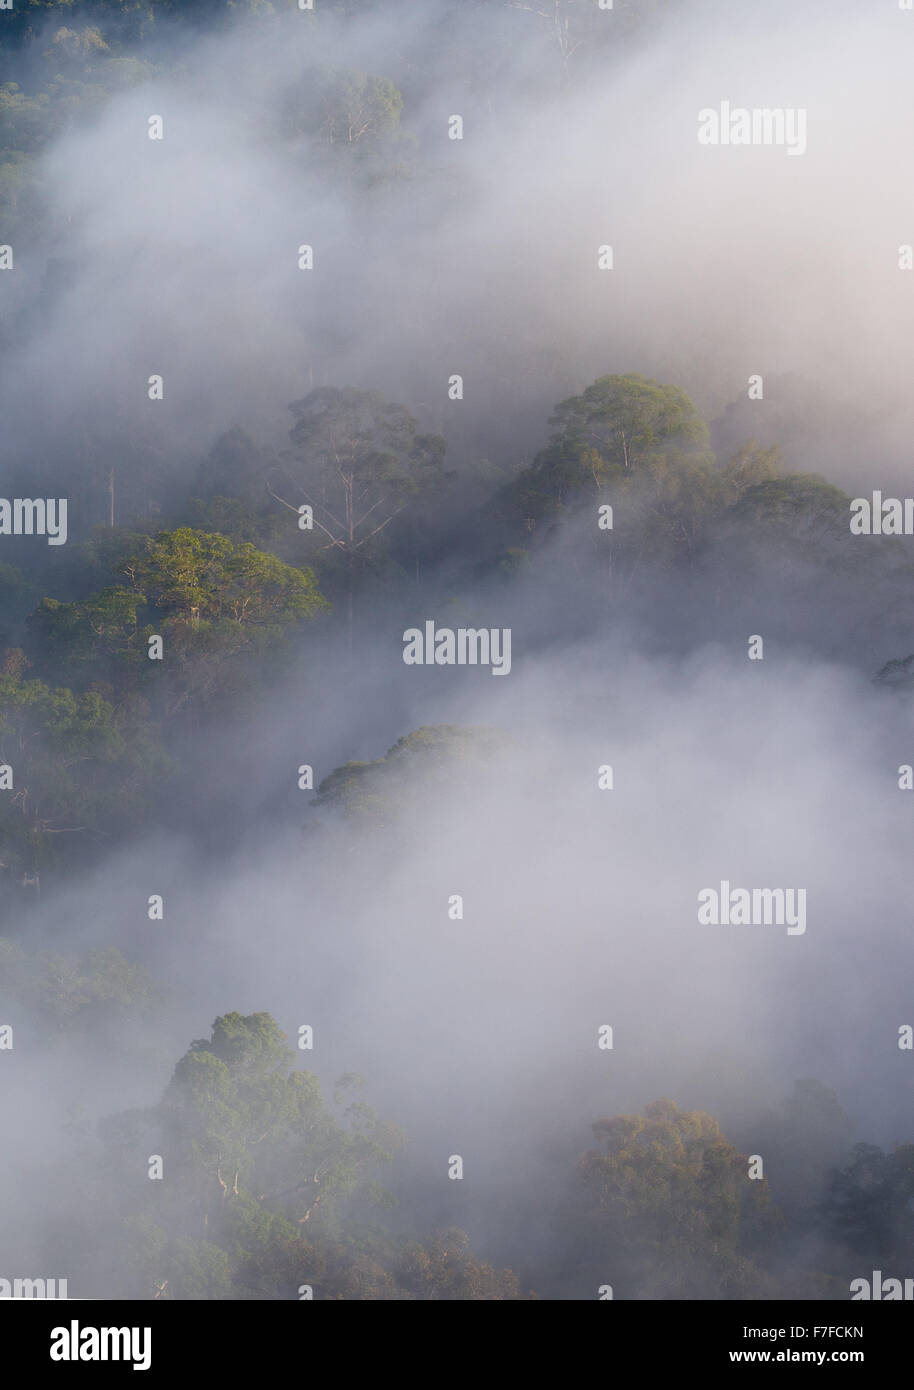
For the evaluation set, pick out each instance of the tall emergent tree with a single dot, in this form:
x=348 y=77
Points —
x=357 y=461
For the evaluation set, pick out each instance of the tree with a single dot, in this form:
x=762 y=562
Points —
x=269 y=1186
x=256 y=1158
x=199 y=576
x=752 y=465
x=578 y=26
x=351 y=121
x=869 y=1205
x=444 y=1268
x=358 y=107
x=234 y=468
x=618 y=422
x=620 y=429
x=431 y=759
x=72 y=769
x=803 y=1142
x=358 y=461
x=213 y=598
x=625 y=439
x=802 y=505
x=667 y=1205
x=91 y=633
x=64 y=989
x=238 y=1121
x=15 y=604
x=558 y=15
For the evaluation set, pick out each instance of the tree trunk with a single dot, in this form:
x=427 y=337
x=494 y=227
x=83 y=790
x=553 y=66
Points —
x=349 y=603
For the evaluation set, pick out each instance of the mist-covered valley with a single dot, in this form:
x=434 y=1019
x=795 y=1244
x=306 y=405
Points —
x=454 y=773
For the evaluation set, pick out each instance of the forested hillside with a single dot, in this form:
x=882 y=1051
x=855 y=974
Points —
x=297 y=412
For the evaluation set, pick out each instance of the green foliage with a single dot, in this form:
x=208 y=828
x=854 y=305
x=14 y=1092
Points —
x=444 y=1268
x=357 y=108
x=358 y=460
x=23 y=121
x=214 y=601
x=71 y=727
x=77 y=777
x=619 y=422
x=751 y=466
x=270 y=1187
x=804 y=1141
x=628 y=440
x=101 y=979
x=802 y=501
x=869 y=1206
x=16 y=599
x=234 y=468
x=66 y=991
x=373 y=794
x=666 y=1202
x=351 y=120
x=271 y=1184
x=239 y=520
x=234 y=1113
x=197 y=576
x=80 y=634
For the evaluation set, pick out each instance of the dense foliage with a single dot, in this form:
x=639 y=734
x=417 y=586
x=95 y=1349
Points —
x=184 y=599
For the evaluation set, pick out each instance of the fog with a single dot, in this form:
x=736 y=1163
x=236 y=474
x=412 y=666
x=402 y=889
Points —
x=728 y=261
x=479 y=1035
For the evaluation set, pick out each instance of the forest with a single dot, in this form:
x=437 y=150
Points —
x=229 y=807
